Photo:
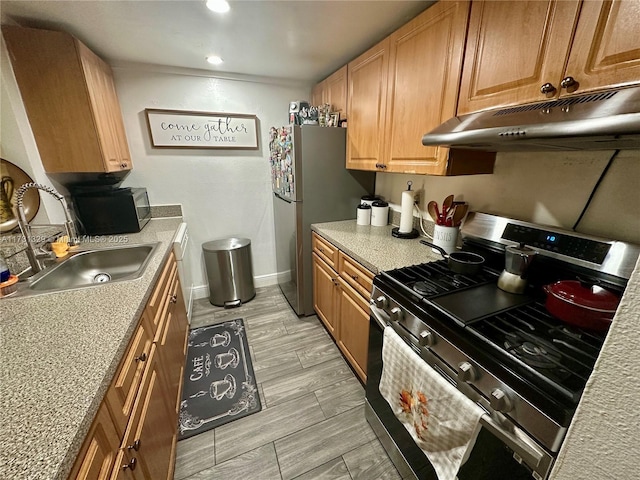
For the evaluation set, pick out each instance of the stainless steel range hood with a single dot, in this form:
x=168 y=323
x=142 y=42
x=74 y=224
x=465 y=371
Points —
x=606 y=120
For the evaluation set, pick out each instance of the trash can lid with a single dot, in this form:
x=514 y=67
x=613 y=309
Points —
x=226 y=244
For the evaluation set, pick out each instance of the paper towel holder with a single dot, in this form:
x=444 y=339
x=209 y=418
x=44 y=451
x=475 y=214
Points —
x=396 y=233
x=408 y=202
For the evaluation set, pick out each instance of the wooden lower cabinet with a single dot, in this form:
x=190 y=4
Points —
x=134 y=434
x=99 y=450
x=324 y=296
x=150 y=435
x=353 y=336
x=341 y=300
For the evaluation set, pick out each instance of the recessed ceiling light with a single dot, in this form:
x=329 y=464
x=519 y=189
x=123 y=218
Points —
x=218 y=6
x=214 y=60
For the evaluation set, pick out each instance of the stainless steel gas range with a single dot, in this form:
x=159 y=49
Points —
x=524 y=367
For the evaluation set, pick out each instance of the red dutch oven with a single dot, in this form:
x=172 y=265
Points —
x=583 y=305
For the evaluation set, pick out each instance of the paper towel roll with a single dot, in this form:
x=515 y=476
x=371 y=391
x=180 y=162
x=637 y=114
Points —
x=406 y=211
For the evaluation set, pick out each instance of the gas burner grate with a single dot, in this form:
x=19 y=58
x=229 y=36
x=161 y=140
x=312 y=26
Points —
x=555 y=357
x=432 y=279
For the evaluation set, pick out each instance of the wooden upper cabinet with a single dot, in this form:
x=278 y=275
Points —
x=71 y=102
x=513 y=49
x=106 y=110
x=317 y=94
x=528 y=51
x=336 y=91
x=606 y=47
x=406 y=86
x=332 y=90
x=367 y=90
x=425 y=64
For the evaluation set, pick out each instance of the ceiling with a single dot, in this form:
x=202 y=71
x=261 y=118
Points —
x=298 y=40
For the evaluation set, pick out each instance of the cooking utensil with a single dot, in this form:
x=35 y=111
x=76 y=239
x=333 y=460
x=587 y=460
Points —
x=459 y=214
x=446 y=207
x=446 y=204
x=513 y=278
x=581 y=304
x=432 y=208
x=466 y=263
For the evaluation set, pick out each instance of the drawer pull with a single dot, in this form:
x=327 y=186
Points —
x=321 y=249
x=141 y=358
x=135 y=446
x=355 y=277
x=174 y=298
x=132 y=464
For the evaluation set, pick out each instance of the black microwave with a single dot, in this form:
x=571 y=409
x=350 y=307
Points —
x=112 y=211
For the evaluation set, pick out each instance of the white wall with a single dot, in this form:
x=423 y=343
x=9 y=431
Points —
x=223 y=193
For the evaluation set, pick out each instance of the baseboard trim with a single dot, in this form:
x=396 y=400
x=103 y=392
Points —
x=202 y=291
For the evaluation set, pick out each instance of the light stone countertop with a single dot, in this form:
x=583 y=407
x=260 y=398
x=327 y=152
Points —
x=375 y=247
x=59 y=353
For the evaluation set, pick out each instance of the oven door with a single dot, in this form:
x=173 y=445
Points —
x=490 y=458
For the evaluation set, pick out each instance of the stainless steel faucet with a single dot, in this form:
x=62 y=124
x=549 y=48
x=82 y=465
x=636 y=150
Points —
x=35 y=253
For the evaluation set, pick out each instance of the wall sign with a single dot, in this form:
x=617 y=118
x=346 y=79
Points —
x=184 y=129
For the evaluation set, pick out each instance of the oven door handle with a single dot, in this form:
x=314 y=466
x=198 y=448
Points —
x=530 y=453
x=377 y=316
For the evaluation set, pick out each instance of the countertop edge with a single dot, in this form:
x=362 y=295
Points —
x=374 y=247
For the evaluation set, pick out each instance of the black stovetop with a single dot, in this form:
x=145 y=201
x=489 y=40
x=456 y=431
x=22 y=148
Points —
x=515 y=331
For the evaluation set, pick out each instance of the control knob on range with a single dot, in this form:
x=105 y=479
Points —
x=466 y=372
x=500 y=401
x=396 y=314
x=381 y=302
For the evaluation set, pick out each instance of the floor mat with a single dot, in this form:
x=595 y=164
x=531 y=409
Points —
x=219 y=384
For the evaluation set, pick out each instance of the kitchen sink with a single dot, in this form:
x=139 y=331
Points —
x=91 y=267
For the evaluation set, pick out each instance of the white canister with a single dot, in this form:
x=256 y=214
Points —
x=379 y=213
x=363 y=214
x=445 y=237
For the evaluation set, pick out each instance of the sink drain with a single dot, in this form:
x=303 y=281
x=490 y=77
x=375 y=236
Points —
x=101 y=278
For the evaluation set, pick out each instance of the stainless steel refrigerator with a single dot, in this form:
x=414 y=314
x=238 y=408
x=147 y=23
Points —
x=310 y=185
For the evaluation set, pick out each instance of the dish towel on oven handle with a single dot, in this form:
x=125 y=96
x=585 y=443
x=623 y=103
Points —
x=443 y=422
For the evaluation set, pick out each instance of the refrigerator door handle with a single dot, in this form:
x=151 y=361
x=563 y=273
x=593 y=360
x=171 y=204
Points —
x=283 y=198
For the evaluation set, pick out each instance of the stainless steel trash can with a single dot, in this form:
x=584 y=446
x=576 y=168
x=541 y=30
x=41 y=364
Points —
x=229 y=271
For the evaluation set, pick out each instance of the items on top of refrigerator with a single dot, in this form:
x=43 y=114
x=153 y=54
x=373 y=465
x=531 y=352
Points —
x=299 y=112
x=302 y=113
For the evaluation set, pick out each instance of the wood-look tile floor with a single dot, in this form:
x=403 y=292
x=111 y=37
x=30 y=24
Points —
x=312 y=423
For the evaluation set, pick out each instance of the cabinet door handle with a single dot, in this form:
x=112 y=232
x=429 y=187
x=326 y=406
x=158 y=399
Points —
x=568 y=82
x=174 y=298
x=547 y=88
x=141 y=358
x=132 y=464
x=123 y=165
x=135 y=446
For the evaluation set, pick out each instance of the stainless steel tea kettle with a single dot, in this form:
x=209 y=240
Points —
x=513 y=278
